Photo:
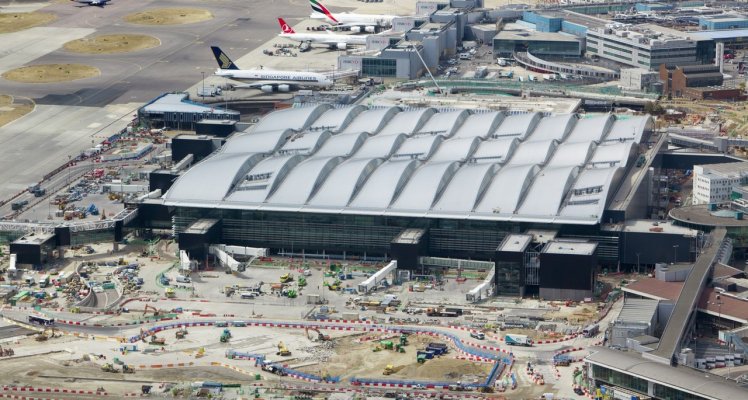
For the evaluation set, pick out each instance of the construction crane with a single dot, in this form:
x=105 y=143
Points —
x=282 y=350
x=156 y=311
x=320 y=336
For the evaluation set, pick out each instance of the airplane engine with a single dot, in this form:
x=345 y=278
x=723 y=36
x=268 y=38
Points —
x=284 y=88
x=356 y=29
x=267 y=88
x=342 y=46
x=371 y=29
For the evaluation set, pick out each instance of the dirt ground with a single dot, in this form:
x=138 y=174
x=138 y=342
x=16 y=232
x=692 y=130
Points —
x=111 y=44
x=358 y=359
x=50 y=73
x=169 y=16
x=580 y=315
x=13 y=108
x=14 y=22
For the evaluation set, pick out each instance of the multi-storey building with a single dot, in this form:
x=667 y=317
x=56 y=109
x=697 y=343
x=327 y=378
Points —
x=713 y=184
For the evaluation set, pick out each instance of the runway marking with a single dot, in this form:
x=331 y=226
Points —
x=94 y=125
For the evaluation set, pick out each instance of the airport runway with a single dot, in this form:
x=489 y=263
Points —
x=70 y=114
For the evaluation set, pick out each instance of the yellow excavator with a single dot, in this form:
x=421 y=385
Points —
x=391 y=369
x=283 y=350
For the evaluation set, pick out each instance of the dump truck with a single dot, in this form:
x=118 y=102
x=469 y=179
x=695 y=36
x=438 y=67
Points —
x=517 y=340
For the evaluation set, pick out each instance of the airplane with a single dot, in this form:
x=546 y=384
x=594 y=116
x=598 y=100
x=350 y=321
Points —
x=96 y=3
x=332 y=40
x=356 y=22
x=268 y=80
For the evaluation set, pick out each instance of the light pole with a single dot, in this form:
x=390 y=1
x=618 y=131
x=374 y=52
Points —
x=203 y=92
x=638 y=270
x=675 y=253
x=69 y=160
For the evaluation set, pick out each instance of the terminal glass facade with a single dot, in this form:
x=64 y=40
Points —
x=571 y=48
x=385 y=67
x=621 y=379
x=668 y=393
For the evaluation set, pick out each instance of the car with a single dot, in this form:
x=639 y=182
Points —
x=477 y=335
x=579 y=391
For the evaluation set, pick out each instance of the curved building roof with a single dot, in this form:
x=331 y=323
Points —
x=591 y=128
x=495 y=151
x=423 y=187
x=467 y=185
x=518 y=125
x=630 y=128
x=591 y=192
x=336 y=119
x=304 y=143
x=344 y=182
x=192 y=184
x=380 y=146
x=262 y=180
x=418 y=148
x=384 y=184
x=303 y=181
x=548 y=191
x=407 y=122
x=343 y=145
x=533 y=153
x=552 y=128
x=443 y=123
x=458 y=149
x=506 y=190
x=480 y=124
x=371 y=120
x=291 y=118
x=264 y=142
x=389 y=161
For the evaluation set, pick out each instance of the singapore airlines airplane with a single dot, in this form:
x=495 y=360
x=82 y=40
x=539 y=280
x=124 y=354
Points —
x=268 y=80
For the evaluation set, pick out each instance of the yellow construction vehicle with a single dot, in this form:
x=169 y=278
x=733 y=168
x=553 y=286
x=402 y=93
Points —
x=391 y=369
x=108 y=367
x=200 y=352
x=42 y=336
x=155 y=310
x=170 y=293
x=283 y=350
x=126 y=369
x=287 y=277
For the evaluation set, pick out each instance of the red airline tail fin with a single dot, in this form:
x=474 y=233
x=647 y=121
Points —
x=285 y=27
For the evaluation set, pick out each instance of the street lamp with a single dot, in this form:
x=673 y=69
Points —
x=69 y=159
x=203 y=92
x=638 y=270
x=675 y=253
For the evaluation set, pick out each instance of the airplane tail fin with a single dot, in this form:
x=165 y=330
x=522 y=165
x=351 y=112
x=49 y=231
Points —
x=320 y=8
x=285 y=27
x=224 y=62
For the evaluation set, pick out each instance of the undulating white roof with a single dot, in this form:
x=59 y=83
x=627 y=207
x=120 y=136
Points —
x=371 y=120
x=423 y=187
x=547 y=191
x=591 y=192
x=262 y=180
x=506 y=190
x=591 y=128
x=467 y=185
x=343 y=183
x=418 y=148
x=336 y=119
x=630 y=128
x=343 y=145
x=264 y=142
x=533 y=153
x=303 y=181
x=444 y=123
x=384 y=184
x=386 y=161
x=459 y=149
x=495 y=151
x=552 y=128
x=304 y=143
x=407 y=122
x=517 y=125
x=480 y=124
x=291 y=118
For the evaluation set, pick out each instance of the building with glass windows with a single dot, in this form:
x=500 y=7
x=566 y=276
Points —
x=557 y=44
x=349 y=180
x=610 y=371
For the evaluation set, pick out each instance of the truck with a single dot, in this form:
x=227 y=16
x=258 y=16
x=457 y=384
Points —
x=44 y=281
x=517 y=340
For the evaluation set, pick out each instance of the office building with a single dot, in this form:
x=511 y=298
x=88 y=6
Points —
x=713 y=184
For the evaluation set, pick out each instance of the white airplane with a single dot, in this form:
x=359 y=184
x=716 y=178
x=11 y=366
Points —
x=96 y=3
x=356 y=22
x=332 y=40
x=268 y=80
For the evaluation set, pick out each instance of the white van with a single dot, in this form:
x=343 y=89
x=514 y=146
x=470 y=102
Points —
x=183 y=279
x=247 y=295
x=465 y=56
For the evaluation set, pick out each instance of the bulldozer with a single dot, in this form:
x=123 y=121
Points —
x=283 y=350
x=391 y=369
x=126 y=369
x=109 y=367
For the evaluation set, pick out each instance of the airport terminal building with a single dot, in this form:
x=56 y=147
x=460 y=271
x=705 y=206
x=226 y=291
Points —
x=348 y=181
